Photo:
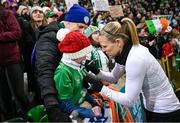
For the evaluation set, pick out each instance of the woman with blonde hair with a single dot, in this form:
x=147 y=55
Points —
x=143 y=73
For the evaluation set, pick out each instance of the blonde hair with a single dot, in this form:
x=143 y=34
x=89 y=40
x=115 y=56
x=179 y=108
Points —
x=125 y=30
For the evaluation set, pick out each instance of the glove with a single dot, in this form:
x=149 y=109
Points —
x=90 y=66
x=56 y=115
x=95 y=85
x=94 y=101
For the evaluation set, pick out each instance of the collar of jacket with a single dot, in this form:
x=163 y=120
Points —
x=121 y=59
x=71 y=63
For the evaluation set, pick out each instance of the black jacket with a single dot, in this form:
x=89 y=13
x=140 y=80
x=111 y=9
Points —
x=47 y=59
x=27 y=41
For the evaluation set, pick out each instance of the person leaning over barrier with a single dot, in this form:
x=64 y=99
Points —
x=143 y=73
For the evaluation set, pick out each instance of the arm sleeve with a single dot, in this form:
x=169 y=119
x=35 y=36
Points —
x=66 y=94
x=68 y=106
x=114 y=75
x=135 y=74
x=47 y=59
x=13 y=33
x=63 y=84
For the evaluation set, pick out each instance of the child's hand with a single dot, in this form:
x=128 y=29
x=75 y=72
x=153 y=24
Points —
x=151 y=43
x=97 y=111
x=105 y=82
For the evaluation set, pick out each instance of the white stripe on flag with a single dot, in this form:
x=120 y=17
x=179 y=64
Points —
x=157 y=25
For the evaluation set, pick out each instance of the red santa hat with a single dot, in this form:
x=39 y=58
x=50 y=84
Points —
x=75 y=45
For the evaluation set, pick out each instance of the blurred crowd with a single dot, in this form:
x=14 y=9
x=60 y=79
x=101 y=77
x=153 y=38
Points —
x=137 y=10
x=31 y=23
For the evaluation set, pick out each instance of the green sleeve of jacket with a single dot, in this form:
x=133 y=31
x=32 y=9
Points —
x=63 y=84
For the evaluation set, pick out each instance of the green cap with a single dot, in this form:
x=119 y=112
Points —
x=50 y=14
x=37 y=114
x=90 y=30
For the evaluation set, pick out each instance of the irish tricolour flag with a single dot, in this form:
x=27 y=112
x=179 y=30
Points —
x=157 y=26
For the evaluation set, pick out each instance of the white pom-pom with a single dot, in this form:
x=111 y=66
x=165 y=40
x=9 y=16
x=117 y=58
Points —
x=61 y=34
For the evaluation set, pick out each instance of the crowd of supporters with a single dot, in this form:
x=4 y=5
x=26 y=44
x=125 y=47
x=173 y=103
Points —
x=33 y=15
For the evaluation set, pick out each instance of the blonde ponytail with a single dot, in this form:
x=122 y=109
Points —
x=132 y=30
x=112 y=31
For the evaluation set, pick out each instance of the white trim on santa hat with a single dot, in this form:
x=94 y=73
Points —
x=78 y=54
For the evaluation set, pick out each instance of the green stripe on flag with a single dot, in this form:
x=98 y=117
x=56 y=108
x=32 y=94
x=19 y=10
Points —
x=151 y=27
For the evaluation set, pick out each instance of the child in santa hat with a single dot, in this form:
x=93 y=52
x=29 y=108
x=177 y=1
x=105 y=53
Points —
x=69 y=76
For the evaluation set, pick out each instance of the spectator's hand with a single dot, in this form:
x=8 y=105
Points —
x=95 y=85
x=56 y=115
x=151 y=43
x=90 y=66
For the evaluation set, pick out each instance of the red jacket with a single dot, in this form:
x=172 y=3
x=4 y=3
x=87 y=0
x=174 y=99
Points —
x=10 y=34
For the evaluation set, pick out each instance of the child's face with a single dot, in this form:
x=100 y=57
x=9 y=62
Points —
x=80 y=60
x=75 y=26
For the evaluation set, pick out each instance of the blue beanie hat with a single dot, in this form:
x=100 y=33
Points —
x=78 y=14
